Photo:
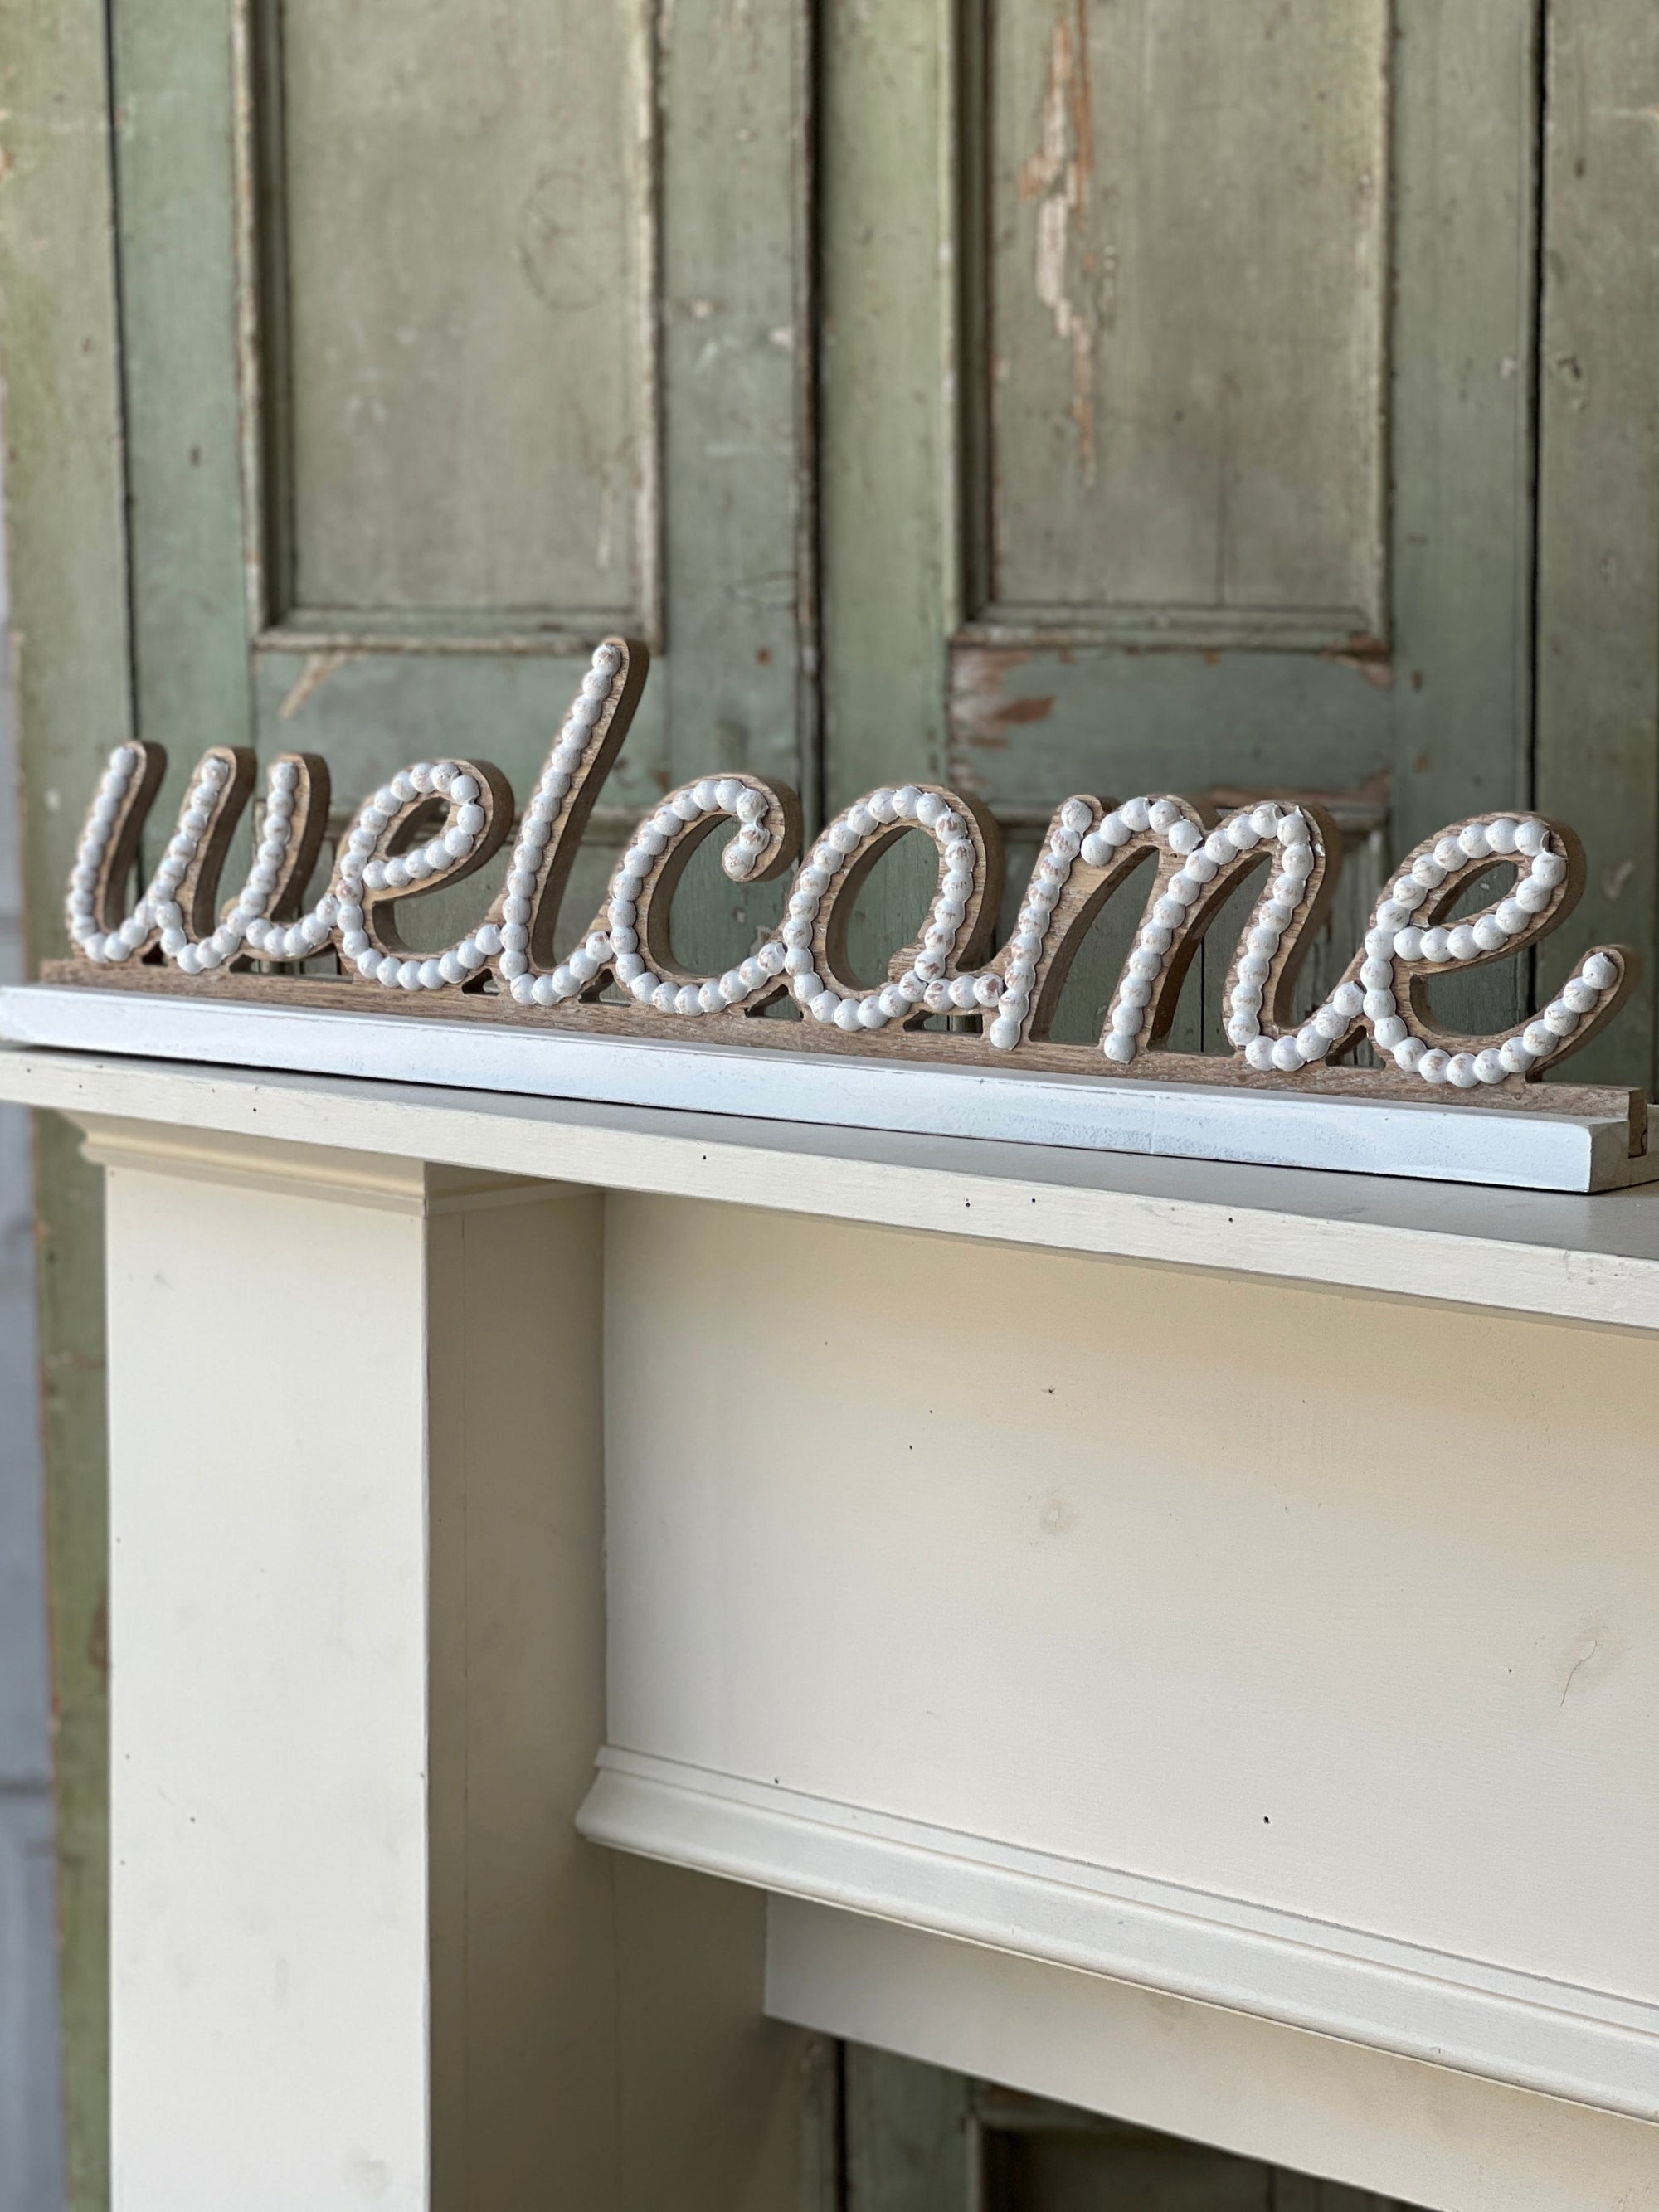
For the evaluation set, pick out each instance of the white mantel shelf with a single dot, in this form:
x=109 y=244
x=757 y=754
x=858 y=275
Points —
x=1583 y=1258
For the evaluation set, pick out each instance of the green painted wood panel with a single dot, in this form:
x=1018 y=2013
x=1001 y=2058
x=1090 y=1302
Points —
x=462 y=237
x=911 y=2142
x=58 y=327
x=1598 y=576
x=1183 y=360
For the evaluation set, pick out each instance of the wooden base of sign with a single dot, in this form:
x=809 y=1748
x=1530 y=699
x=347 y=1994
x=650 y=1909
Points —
x=1542 y=1137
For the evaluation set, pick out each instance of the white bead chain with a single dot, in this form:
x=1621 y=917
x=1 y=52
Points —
x=1366 y=1000
x=1393 y=938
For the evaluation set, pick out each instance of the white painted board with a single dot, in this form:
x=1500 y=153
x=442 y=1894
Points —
x=1519 y=1150
x=1262 y=1646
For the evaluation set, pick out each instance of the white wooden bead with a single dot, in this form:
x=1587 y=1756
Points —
x=1127 y=1020
x=1376 y=975
x=1459 y=1071
x=1330 y=1024
x=1378 y=1006
x=1576 y=992
x=1408 y=1053
x=1473 y=839
x=1436 y=944
x=1408 y=944
x=1388 y=1032
x=1264 y=819
x=1258 y=1053
x=1500 y=835
x=1461 y=942
x=1516 y=1056
x=1287 y=1055
x=1184 y=836
x=1005 y=1033
x=1119 y=1048
x=1488 y=933
x=1530 y=837
x=1163 y=814
x=1598 y=972
x=1240 y=833
x=1311 y=1042
x=1295 y=829
x=1559 y=1019
x=1155 y=937
x=1452 y=856
x=893 y=1002
x=870 y=1014
x=1548 y=869
x=1539 y=1039
x=1242 y=1028
x=1135 y=991
x=1489 y=1067
x=1433 y=1065
x=1532 y=897
x=1097 y=849
x=1137 y=814
x=1348 y=998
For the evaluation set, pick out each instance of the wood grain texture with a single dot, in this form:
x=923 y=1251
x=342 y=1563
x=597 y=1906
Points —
x=1465 y=116
x=464 y=220
x=910 y=2138
x=65 y=494
x=1185 y=398
x=1598 y=581
x=886 y=425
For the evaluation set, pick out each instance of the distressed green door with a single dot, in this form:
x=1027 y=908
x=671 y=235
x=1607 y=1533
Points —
x=1055 y=395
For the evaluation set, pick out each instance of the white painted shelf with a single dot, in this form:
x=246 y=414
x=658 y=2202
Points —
x=1569 y=1256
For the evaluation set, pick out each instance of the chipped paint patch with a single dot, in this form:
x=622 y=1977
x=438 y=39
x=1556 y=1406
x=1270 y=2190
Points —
x=318 y=667
x=1057 y=178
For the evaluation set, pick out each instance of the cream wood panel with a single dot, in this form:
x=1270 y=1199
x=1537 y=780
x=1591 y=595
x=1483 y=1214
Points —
x=1184 y=359
x=1418 y=2133
x=361 y=1956
x=458 y=228
x=1307 y=1601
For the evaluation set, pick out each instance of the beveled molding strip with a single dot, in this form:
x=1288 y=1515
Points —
x=1590 y=2045
x=436 y=823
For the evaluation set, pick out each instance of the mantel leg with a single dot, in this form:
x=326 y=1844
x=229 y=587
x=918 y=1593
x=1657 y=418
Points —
x=359 y=1956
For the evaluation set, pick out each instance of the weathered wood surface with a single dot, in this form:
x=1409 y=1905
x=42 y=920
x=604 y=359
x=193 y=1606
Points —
x=1598 y=577
x=64 y=491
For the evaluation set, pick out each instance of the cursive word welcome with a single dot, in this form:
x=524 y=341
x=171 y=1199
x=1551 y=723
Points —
x=436 y=823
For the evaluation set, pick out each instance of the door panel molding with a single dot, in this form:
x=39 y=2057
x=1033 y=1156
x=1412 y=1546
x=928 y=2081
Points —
x=1174 y=387
x=282 y=616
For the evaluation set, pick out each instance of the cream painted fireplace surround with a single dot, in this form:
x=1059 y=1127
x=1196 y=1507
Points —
x=597 y=1590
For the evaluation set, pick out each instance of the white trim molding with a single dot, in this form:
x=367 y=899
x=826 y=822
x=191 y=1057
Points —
x=1589 y=2045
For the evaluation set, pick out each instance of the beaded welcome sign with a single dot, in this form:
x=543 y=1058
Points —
x=436 y=823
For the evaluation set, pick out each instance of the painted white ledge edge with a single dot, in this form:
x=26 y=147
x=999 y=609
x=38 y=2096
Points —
x=1592 y=2047
x=1556 y=1255
x=1442 y=1142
